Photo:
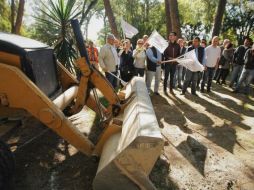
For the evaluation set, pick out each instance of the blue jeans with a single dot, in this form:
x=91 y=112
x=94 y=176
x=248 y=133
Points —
x=247 y=76
x=190 y=77
x=207 y=78
x=178 y=76
x=170 y=69
x=237 y=70
x=111 y=78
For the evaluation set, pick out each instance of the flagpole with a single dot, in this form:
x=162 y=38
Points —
x=122 y=81
x=174 y=60
x=170 y=61
x=122 y=29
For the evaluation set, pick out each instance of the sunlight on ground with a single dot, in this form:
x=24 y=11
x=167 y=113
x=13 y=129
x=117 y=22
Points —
x=217 y=103
x=225 y=96
x=249 y=107
x=217 y=121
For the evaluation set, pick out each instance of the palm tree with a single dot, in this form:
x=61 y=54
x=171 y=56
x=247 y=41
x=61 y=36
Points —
x=218 y=18
x=111 y=18
x=175 y=19
x=58 y=14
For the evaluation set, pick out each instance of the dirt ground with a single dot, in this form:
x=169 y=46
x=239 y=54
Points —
x=209 y=144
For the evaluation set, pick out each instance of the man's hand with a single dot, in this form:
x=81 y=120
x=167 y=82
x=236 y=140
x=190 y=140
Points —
x=158 y=62
x=205 y=68
x=216 y=66
x=105 y=70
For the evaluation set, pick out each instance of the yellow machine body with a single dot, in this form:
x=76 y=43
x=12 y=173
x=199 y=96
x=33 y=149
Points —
x=131 y=141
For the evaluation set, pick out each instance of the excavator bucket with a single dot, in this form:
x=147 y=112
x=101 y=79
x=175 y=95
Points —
x=129 y=156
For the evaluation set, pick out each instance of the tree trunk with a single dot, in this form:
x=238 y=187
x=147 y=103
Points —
x=218 y=18
x=174 y=14
x=111 y=18
x=19 y=16
x=13 y=16
x=17 y=23
x=168 y=19
x=85 y=11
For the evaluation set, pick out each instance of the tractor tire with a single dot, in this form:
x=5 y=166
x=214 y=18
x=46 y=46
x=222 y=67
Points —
x=7 y=165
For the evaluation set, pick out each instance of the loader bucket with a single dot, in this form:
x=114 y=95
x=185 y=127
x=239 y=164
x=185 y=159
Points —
x=129 y=156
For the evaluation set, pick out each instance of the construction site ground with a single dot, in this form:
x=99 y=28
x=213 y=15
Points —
x=209 y=144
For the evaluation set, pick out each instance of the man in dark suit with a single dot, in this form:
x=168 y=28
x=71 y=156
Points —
x=192 y=77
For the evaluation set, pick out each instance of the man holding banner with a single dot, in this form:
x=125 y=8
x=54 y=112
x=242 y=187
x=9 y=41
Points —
x=171 y=52
x=192 y=76
x=154 y=58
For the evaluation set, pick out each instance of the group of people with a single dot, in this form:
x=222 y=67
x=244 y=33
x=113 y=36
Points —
x=145 y=60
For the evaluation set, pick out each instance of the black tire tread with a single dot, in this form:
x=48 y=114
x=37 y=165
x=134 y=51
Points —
x=7 y=165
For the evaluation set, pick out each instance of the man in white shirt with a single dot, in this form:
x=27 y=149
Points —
x=212 y=56
x=108 y=59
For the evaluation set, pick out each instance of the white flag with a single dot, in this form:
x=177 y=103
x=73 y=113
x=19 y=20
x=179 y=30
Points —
x=158 y=41
x=128 y=29
x=191 y=62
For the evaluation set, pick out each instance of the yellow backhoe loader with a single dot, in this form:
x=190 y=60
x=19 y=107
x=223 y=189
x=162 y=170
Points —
x=32 y=80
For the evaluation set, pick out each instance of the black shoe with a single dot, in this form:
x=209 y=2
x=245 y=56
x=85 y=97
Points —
x=183 y=93
x=202 y=90
x=157 y=93
x=194 y=94
x=179 y=86
x=235 y=91
x=208 y=90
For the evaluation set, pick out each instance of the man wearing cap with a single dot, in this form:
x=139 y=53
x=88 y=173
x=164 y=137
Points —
x=108 y=60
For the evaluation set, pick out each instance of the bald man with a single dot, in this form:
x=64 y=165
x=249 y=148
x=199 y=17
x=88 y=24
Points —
x=212 y=56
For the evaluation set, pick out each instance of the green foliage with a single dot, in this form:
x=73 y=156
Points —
x=5 y=24
x=146 y=16
x=192 y=30
x=196 y=16
x=238 y=22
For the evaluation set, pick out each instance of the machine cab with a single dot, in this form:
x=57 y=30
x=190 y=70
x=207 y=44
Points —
x=34 y=58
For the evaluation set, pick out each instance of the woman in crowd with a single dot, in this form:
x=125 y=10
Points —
x=225 y=62
x=126 y=62
x=139 y=56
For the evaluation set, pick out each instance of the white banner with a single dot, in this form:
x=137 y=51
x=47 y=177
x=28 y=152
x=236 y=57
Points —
x=158 y=41
x=191 y=62
x=128 y=30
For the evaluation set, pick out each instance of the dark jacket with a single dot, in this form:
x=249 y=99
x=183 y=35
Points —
x=249 y=59
x=126 y=62
x=201 y=53
x=151 y=66
x=172 y=51
x=228 y=55
x=239 y=55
